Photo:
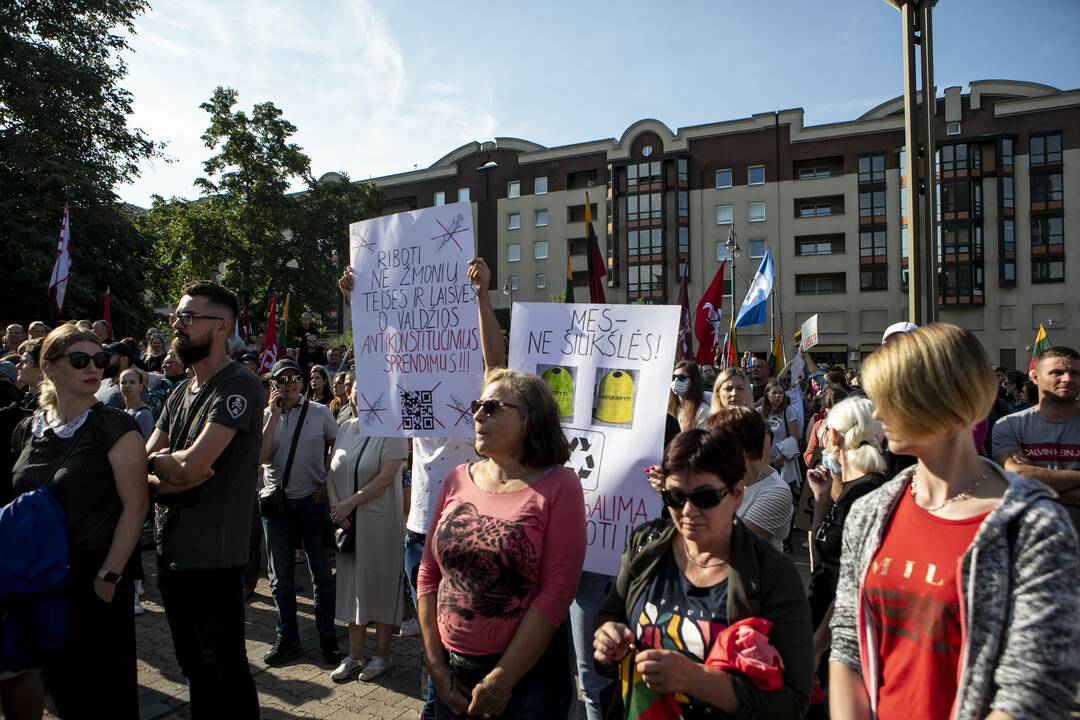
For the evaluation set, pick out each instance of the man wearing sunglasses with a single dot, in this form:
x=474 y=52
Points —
x=306 y=512
x=205 y=454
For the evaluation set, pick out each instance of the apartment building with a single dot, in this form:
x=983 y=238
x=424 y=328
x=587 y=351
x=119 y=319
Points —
x=826 y=199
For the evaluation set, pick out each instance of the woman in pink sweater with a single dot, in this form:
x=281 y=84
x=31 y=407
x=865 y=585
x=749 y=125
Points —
x=508 y=542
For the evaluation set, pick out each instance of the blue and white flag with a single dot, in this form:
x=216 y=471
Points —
x=753 y=307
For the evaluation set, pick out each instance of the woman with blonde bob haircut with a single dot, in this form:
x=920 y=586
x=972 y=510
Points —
x=730 y=390
x=957 y=595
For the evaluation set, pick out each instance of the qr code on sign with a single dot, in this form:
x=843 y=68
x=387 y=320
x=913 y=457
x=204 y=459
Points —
x=417 y=411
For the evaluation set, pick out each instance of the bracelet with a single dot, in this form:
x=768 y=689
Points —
x=500 y=698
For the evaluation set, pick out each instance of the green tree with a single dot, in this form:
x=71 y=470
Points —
x=64 y=139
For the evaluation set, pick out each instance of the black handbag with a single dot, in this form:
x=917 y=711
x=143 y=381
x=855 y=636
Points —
x=272 y=502
x=345 y=540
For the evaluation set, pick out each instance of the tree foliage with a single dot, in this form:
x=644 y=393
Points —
x=248 y=230
x=64 y=139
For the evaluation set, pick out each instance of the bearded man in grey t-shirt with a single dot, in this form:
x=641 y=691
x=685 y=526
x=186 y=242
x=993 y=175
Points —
x=1043 y=442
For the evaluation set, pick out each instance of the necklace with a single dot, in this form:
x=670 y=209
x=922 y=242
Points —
x=686 y=551
x=962 y=495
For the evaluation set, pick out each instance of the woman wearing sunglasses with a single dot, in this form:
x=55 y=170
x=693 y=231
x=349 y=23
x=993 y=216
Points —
x=958 y=592
x=92 y=458
x=684 y=582
x=686 y=401
x=505 y=551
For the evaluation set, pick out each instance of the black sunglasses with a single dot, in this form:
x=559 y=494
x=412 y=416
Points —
x=80 y=360
x=704 y=498
x=286 y=379
x=490 y=406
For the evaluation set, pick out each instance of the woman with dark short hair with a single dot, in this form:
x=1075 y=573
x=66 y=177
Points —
x=505 y=550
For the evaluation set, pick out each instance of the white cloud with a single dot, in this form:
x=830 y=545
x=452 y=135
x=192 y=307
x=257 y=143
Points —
x=336 y=70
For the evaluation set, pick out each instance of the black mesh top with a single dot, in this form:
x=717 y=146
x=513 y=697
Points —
x=78 y=472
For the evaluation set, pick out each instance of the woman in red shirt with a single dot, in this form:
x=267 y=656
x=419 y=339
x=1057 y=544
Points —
x=957 y=595
x=508 y=543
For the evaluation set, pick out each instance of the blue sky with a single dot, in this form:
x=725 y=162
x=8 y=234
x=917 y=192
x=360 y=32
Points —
x=376 y=87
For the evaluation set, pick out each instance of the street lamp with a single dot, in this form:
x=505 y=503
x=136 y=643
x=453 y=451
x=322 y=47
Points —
x=734 y=251
x=508 y=289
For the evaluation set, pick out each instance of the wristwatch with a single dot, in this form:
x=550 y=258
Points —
x=108 y=576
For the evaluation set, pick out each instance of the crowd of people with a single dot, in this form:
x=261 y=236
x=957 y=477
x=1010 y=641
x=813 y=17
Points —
x=936 y=496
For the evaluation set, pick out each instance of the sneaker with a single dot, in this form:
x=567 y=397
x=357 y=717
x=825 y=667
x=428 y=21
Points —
x=349 y=668
x=409 y=628
x=375 y=667
x=139 y=609
x=283 y=650
x=330 y=651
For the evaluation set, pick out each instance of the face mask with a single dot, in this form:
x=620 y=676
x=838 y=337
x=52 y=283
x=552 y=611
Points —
x=680 y=386
x=830 y=463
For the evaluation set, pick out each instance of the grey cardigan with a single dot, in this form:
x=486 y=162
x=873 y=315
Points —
x=1019 y=610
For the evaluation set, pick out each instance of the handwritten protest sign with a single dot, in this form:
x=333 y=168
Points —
x=415 y=330
x=609 y=367
x=809 y=333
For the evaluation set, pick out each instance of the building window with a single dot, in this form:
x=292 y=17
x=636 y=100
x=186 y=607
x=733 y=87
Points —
x=644 y=278
x=819 y=244
x=755 y=175
x=1047 y=270
x=809 y=210
x=820 y=284
x=1008 y=236
x=722 y=253
x=513 y=252
x=513 y=221
x=758 y=246
x=643 y=207
x=959 y=157
x=644 y=242
x=871 y=169
x=962 y=197
x=724 y=215
x=540 y=186
x=905 y=242
x=872 y=247
x=1007 y=193
x=541 y=281
x=723 y=179
x=815 y=173
x=513 y=282
x=872 y=207
x=1047 y=236
x=1007 y=152
x=682 y=170
x=684 y=203
x=641 y=173
x=952 y=128
x=874 y=279
x=1046 y=188
x=440 y=198
x=755 y=212
x=540 y=219
x=540 y=250
x=463 y=195
x=1045 y=149
x=684 y=240
x=513 y=189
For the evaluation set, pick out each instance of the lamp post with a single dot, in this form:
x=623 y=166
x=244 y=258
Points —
x=485 y=171
x=917 y=27
x=733 y=249
x=508 y=289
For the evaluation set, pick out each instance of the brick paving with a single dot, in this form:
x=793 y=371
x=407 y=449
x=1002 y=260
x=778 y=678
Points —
x=300 y=689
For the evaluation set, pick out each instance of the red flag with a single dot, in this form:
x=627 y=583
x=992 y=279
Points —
x=106 y=313
x=269 y=348
x=707 y=318
x=597 y=269
x=685 y=349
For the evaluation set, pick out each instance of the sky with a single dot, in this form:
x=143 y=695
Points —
x=376 y=87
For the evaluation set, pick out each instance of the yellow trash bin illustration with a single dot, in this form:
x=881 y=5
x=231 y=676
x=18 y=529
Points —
x=615 y=401
x=562 y=387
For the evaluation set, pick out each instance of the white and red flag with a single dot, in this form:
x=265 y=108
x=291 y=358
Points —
x=707 y=327
x=59 y=280
x=269 y=349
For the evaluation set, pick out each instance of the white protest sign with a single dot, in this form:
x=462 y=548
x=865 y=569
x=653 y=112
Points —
x=609 y=367
x=809 y=333
x=415 y=330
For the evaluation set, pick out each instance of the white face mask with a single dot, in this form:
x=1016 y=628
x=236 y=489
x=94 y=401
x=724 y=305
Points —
x=680 y=386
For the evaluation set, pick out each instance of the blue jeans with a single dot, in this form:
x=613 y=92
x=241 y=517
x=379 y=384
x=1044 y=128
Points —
x=307 y=520
x=414 y=551
x=590 y=596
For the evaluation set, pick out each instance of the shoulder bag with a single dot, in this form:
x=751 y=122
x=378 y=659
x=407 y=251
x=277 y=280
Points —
x=272 y=502
x=345 y=540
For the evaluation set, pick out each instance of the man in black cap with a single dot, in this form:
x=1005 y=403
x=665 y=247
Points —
x=297 y=438
x=121 y=357
x=204 y=455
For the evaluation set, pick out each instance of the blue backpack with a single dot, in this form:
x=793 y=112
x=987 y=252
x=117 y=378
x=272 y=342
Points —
x=33 y=568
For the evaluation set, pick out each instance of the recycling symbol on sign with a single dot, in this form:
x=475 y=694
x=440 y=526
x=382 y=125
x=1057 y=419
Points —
x=586 y=453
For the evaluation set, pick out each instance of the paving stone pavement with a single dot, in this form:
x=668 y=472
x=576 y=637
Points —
x=301 y=689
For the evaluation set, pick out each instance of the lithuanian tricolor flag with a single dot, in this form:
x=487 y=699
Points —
x=1042 y=344
x=776 y=355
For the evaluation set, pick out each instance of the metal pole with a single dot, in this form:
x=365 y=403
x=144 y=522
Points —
x=930 y=257
x=916 y=254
